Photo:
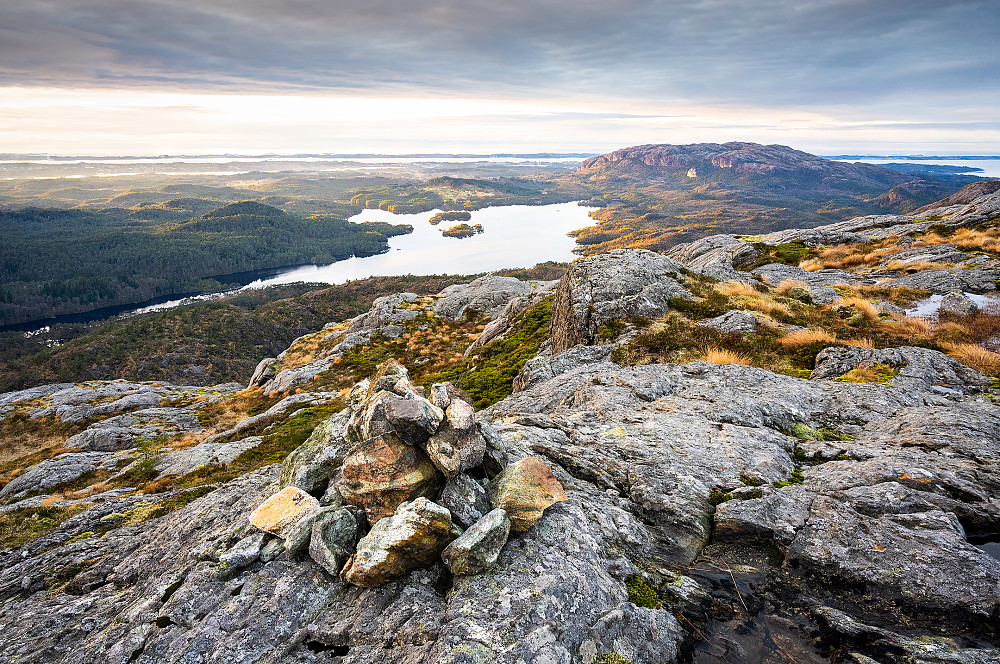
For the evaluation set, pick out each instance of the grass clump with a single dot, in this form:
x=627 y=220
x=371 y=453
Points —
x=20 y=526
x=877 y=372
x=611 y=658
x=789 y=253
x=612 y=329
x=642 y=594
x=279 y=441
x=488 y=375
x=805 y=432
x=750 y=480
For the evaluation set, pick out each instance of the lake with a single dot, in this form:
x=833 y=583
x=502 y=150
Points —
x=513 y=236
x=990 y=167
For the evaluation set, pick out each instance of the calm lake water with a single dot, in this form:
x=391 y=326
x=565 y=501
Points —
x=513 y=236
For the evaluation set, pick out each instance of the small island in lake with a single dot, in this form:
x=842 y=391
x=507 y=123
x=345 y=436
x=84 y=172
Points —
x=463 y=230
x=459 y=215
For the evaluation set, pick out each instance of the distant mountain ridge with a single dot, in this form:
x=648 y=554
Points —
x=764 y=166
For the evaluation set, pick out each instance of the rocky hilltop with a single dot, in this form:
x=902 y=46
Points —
x=754 y=449
x=765 y=165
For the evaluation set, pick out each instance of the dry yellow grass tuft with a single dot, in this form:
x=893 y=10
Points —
x=984 y=361
x=909 y=326
x=864 y=307
x=805 y=337
x=916 y=266
x=723 y=356
x=737 y=288
x=789 y=284
x=860 y=343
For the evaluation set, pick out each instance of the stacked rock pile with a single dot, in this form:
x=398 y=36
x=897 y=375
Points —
x=400 y=480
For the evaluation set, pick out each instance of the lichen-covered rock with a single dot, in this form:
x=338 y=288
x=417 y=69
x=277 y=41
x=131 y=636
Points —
x=411 y=418
x=382 y=473
x=611 y=287
x=283 y=510
x=958 y=304
x=244 y=552
x=486 y=295
x=413 y=537
x=310 y=466
x=919 y=369
x=733 y=322
x=477 y=549
x=465 y=498
x=57 y=470
x=457 y=446
x=333 y=539
x=524 y=489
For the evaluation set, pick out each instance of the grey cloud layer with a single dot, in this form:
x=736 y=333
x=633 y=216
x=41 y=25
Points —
x=765 y=51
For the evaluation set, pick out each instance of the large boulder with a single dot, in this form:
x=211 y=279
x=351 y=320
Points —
x=384 y=472
x=918 y=369
x=610 y=287
x=524 y=489
x=413 y=537
x=478 y=548
x=486 y=295
x=282 y=511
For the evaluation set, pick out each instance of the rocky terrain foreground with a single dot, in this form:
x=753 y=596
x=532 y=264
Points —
x=744 y=451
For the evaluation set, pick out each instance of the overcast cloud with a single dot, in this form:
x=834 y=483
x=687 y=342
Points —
x=928 y=61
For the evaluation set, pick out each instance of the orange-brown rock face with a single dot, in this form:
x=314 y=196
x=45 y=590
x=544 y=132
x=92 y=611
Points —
x=382 y=473
x=283 y=510
x=524 y=489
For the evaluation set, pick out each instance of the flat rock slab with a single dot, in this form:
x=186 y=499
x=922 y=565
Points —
x=283 y=510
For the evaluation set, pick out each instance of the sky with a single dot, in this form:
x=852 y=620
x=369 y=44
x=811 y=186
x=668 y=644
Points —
x=140 y=77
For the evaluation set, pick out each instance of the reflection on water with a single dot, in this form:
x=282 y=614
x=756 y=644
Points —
x=513 y=236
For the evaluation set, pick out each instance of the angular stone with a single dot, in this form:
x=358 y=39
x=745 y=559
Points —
x=442 y=394
x=478 y=548
x=465 y=498
x=283 y=510
x=386 y=376
x=524 y=489
x=334 y=538
x=454 y=451
x=310 y=466
x=380 y=474
x=411 y=538
x=413 y=419
x=734 y=322
x=244 y=552
x=461 y=415
x=297 y=536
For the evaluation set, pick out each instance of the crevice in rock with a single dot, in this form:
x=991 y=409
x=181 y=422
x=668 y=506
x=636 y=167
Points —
x=164 y=621
x=318 y=646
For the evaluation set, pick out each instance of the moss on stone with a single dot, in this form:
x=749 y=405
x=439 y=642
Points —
x=642 y=594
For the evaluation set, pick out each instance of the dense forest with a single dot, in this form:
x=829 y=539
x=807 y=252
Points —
x=65 y=261
x=208 y=342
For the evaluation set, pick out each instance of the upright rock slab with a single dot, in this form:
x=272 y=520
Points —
x=610 y=287
x=334 y=536
x=384 y=472
x=311 y=464
x=524 y=489
x=411 y=538
x=283 y=510
x=458 y=445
